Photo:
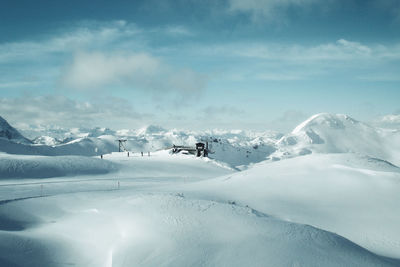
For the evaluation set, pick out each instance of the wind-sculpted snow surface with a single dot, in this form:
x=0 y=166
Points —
x=94 y=229
x=356 y=197
x=42 y=167
x=170 y=210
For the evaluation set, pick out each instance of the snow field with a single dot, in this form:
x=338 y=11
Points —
x=327 y=196
x=165 y=229
x=344 y=193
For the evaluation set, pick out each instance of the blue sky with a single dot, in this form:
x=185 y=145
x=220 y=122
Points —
x=256 y=64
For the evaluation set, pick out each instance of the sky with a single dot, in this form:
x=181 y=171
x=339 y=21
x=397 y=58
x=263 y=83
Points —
x=197 y=64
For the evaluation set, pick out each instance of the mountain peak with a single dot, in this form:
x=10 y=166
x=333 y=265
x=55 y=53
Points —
x=325 y=120
x=333 y=133
x=10 y=133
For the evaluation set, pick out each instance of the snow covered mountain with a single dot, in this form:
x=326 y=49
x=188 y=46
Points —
x=329 y=133
x=238 y=149
x=10 y=133
x=321 y=133
x=46 y=140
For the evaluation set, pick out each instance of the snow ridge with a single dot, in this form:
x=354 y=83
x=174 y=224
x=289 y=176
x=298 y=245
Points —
x=321 y=133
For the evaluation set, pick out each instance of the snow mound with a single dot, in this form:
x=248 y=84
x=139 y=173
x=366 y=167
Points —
x=10 y=133
x=43 y=167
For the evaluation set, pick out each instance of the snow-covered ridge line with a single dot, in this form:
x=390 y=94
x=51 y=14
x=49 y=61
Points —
x=321 y=133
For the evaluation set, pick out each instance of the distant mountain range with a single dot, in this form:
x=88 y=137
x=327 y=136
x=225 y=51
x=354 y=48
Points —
x=321 y=133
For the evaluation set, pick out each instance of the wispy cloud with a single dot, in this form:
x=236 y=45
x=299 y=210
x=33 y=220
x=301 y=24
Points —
x=17 y=84
x=288 y=62
x=95 y=55
x=177 y=30
x=214 y=112
x=380 y=77
x=87 y=35
x=270 y=10
x=338 y=51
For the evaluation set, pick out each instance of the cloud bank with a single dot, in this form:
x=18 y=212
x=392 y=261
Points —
x=66 y=112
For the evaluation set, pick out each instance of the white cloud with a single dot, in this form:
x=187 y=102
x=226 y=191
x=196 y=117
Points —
x=340 y=50
x=79 y=57
x=140 y=71
x=87 y=35
x=354 y=47
x=93 y=70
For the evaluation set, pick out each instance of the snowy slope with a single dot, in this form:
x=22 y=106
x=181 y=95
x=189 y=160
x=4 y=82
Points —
x=121 y=229
x=169 y=210
x=354 y=196
x=157 y=219
x=22 y=166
